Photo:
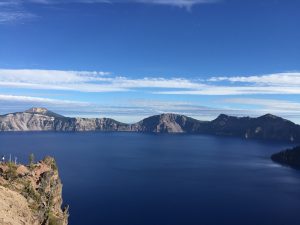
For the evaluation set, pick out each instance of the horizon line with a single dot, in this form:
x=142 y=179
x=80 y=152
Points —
x=165 y=113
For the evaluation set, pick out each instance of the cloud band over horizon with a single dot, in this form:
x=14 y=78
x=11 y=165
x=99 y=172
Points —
x=230 y=91
x=99 y=81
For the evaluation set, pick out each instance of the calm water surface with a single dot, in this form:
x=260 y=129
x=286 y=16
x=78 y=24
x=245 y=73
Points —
x=141 y=179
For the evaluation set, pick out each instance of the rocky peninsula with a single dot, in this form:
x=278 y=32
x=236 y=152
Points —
x=31 y=194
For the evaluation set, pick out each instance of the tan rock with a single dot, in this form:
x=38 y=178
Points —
x=14 y=209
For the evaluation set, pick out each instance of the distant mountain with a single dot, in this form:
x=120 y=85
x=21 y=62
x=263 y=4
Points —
x=290 y=157
x=265 y=127
x=168 y=123
x=41 y=119
x=42 y=111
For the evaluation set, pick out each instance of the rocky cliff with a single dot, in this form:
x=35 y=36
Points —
x=31 y=195
x=265 y=127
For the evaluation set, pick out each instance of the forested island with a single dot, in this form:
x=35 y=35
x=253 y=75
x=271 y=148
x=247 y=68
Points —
x=290 y=157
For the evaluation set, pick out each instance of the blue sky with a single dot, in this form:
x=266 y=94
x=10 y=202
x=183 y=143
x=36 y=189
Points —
x=131 y=59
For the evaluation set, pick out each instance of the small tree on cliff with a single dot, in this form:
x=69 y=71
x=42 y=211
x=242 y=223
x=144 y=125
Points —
x=31 y=160
x=11 y=172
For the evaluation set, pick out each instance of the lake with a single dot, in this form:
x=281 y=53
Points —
x=145 y=179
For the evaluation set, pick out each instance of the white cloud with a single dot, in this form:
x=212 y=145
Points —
x=38 y=100
x=12 y=11
x=49 y=76
x=66 y=1
x=128 y=111
x=9 y=3
x=9 y=16
x=284 y=108
x=278 y=79
x=179 y=3
x=84 y=81
x=160 y=106
x=271 y=105
x=235 y=90
x=15 y=10
x=93 y=81
x=279 y=83
x=137 y=109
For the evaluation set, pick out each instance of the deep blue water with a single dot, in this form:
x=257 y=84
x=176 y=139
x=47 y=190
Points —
x=142 y=179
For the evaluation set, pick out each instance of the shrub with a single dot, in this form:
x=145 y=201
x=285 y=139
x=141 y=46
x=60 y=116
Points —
x=53 y=220
x=31 y=160
x=28 y=191
x=11 y=172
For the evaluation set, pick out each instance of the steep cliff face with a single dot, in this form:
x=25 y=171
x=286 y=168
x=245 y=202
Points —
x=31 y=195
x=265 y=127
x=26 y=121
x=101 y=124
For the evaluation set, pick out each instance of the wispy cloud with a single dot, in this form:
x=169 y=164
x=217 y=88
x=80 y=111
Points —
x=93 y=81
x=18 y=103
x=17 y=10
x=84 y=81
x=235 y=90
x=38 y=100
x=180 y=107
x=13 y=11
x=279 y=83
x=130 y=111
x=278 y=79
x=258 y=106
x=136 y=109
x=271 y=105
x=179 y=3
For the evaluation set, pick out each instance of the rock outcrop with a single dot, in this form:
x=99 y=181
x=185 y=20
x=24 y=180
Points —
x=265 y=127
x=31 y=195
x=14 y=209
x=290 y=157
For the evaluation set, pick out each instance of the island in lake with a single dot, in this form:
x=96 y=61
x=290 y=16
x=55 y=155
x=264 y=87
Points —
x=290 y=157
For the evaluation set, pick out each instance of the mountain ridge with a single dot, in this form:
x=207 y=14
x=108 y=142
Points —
x=268 y=126
x=42 y=111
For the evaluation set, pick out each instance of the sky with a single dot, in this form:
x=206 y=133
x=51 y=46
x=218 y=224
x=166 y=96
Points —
x=129 y=59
